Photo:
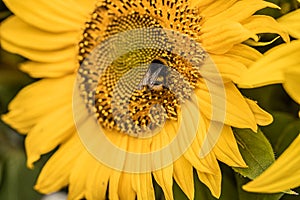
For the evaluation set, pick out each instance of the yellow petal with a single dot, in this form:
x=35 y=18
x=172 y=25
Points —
x=249 y=7
x=52 y=16
x=79 y=175
x=192 y=154
x=202 y=149
x=212 y=181
x=138 y=145
x=44 y=136
x=142 y=185
x=262 y=117
x=291 y=22
x=238 y=113
x=253 y=43
x=191 y=126
x=97 y=181
x=183 y=175
x=21 y=127
x=16 y=31
x=232 y=64
x=282 y=175
x=114 y=185
x=41 y=56
x=244 y=54
x=270 y=68
x=196 y=3
x=41 y=97
x=226 y=149
x=220 y=37
x=205 y=165
x=230 y=69
x=164 y=178
x=49 y=70
x=265 y=24
x=215 y=7
x=126 y=191
x=292 y=82
x=55 y=174
x=160 y=141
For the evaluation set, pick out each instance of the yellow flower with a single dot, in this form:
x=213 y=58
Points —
x=282 y=175
x=58 y=36
x=281 y=64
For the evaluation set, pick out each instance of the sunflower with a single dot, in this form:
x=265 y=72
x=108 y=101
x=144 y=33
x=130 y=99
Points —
x=61 y=41
x=280 y=64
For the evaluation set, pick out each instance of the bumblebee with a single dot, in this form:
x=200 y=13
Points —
x=156 y=76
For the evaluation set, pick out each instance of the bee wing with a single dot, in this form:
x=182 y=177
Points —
x=154 y=76
x=145 y=80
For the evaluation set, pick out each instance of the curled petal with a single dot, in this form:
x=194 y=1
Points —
x=265 y=24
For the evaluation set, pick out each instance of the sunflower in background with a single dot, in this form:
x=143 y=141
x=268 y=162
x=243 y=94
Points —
x=279 y=65
x=57 y=37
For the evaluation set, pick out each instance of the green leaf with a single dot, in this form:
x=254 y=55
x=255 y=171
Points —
x=243 y=195
x=256 y=151
x=274 y=131
x=290 y=132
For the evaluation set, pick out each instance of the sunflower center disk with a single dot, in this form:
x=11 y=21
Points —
x=134 y=72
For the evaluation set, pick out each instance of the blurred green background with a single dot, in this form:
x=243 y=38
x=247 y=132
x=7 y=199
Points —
x=16 y=181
